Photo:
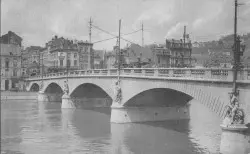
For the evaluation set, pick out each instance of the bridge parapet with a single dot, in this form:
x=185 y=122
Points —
x=178 y=73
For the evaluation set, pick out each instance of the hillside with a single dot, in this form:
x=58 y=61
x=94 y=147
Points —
x=221 y=50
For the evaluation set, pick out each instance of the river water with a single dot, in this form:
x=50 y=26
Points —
x=44 y=128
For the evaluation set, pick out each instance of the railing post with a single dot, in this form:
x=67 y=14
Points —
x=108 y=72
x=188 y=73
x=245 y=73
x=208 y=74
x=230 y=75
x=171 y=72
x=143 y=72
x=121 y=71
x=156 y=72
x=132 y=72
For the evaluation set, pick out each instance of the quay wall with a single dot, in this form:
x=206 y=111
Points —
x=10 y=95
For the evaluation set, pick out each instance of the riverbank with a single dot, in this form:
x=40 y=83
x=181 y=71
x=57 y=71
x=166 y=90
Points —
x=10 y=95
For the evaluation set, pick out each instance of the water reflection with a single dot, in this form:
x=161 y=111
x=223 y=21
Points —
x=32 y=127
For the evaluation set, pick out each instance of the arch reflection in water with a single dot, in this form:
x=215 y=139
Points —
x=200 y=134
x=153 y=137
x=88 y=130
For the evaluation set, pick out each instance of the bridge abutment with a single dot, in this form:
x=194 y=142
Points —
x=146 y=114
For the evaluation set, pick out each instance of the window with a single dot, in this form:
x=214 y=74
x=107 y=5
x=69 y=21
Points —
x=75 y=62
x=68 y=63
x=69 y=54
x=159 y=60
x=14 y=72
x=75 y=55
x=61 y=62
x=7 y=63
x=15 y=63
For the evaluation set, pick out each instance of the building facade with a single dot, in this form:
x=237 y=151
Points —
x=110 y=60
x=10 y=66
x=86 y=55
x=161 y=56
x=65 y=54
x=30 y=60
x=180 y=53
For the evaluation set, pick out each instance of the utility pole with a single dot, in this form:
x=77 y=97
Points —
x=184 y=36
x=183 y=47
x=42 y=65
x=90 y=27
x=142 y=41
x=67 y=65
x=235 y=67
x=119 y=46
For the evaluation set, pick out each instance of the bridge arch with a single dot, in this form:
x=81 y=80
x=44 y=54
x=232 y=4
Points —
x=203 y=93
x=159 y=97
x=53 y=88
x=34 y=87
x=90 y=95
x=53 y=92
x=106 y=85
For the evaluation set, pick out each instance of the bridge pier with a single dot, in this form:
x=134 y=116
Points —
x=42 y=97
x=49 y=97
x=146 y=114
x=67 y=102
x=234 y=140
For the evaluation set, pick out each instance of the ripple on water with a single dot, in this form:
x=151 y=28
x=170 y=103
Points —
x=45 y=128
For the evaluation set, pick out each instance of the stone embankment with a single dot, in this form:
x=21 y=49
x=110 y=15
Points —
x=10 y=95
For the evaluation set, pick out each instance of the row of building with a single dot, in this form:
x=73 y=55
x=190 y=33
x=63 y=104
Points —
x=61 y=54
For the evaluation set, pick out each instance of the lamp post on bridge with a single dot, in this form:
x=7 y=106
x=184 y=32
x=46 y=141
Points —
x=117 y=89
x=233 y=139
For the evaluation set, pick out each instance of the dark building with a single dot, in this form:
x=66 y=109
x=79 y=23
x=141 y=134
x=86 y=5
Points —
x=11 y=38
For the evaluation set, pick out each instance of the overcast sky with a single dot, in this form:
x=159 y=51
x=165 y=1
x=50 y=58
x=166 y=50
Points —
x=36 y=21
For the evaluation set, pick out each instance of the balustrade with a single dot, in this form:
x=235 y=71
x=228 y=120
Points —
x=113 y=72
x=137 y=71
x=104 y=72
x=163 y=72
x=179 y=73
x=219 y=74
x=127 y=71
x=96 y=72
x=149 y=72
x=198 y=73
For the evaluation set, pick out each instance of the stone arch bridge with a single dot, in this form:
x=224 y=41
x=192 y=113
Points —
x=147 y=94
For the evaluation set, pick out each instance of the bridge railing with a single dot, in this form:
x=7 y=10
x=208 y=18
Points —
x=190 y=73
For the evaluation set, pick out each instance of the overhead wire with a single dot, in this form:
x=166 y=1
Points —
x=104 y=40
x=114 y=35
